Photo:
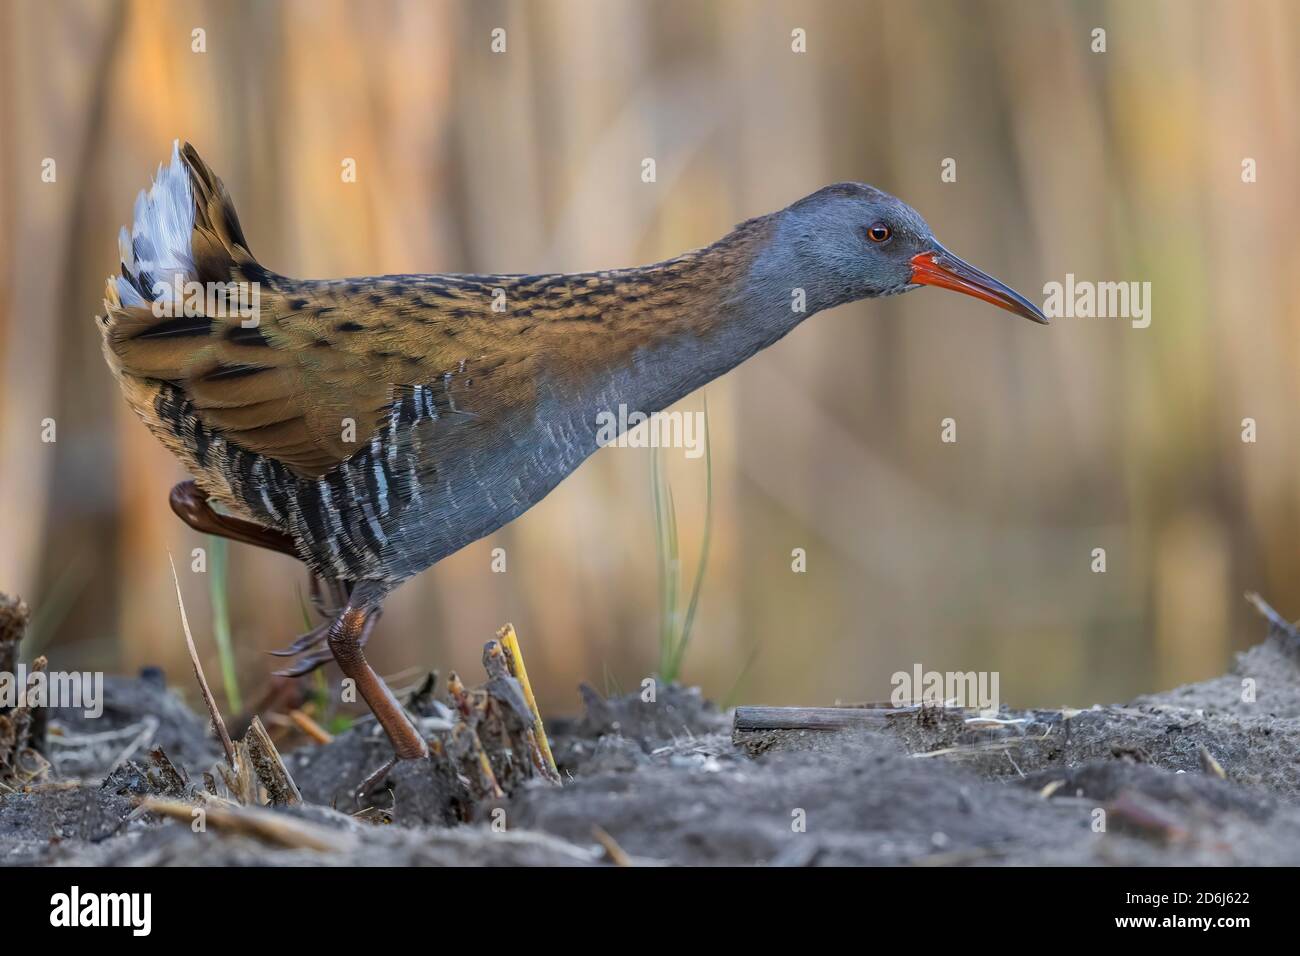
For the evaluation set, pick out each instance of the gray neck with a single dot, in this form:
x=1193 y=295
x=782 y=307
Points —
x=738 y=312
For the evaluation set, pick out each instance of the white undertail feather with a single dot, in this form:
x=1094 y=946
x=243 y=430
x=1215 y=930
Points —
x=158 y=249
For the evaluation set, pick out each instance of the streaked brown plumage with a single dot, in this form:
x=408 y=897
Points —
x=374 y=425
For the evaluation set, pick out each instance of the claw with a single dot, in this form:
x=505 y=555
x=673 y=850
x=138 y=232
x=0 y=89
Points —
x=306 y=665
x=314 y=638
x=304 y=642
x=376 y=778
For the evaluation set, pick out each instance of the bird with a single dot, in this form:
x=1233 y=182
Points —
x=372 y=426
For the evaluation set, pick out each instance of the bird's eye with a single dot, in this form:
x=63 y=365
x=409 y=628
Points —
x=878 y=232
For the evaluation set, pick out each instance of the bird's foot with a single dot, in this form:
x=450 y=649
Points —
x=311 y=641
x=305 y=666
x=301 y=645
x=304 y=642
x=368 y=785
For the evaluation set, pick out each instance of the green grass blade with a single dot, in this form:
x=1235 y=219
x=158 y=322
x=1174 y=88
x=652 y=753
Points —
x=674 y=568
x=675 y=626
x=705 y=542
x=661 y=560
x=218 y=555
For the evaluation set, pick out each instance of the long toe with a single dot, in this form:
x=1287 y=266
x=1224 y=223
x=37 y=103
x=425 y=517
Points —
x=306 y=665
x=372 y=782
x=304 y=642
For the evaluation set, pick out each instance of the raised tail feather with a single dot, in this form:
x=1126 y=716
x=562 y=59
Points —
x=158 y=335
x=205 y=342
x=185 y=231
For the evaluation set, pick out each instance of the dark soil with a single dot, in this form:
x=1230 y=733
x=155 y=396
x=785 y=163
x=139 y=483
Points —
x=668 y=782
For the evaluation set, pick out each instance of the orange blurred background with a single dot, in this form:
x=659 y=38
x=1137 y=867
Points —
x=1116 y=166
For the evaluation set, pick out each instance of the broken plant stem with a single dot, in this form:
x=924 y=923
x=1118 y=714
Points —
x=515 y=660
x=304 y=722
x=269 y=768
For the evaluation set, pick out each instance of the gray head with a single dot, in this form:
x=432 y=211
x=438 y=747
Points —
x=851 y=241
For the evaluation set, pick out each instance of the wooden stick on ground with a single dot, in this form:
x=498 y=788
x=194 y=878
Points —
x=515 y=660
x=265 y=825
x=815 y=718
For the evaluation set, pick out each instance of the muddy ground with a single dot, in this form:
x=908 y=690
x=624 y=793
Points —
x=1197 y=775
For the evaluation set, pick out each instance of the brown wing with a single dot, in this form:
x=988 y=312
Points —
x=297 y=371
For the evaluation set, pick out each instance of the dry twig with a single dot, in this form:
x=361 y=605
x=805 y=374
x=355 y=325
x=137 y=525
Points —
x=613 y=852
x=226 y=744
x=304 y=722
x=264 y=825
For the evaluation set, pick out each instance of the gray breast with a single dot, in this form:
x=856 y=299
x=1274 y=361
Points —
x=432 y=480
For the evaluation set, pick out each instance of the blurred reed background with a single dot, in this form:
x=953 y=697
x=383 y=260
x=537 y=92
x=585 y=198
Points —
x=1122 y=166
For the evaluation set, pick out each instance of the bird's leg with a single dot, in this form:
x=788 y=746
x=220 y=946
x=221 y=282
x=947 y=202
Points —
x=333 y=599
x=338 y=593
x=347 y=635
x=190 y=502
x=328 y=607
